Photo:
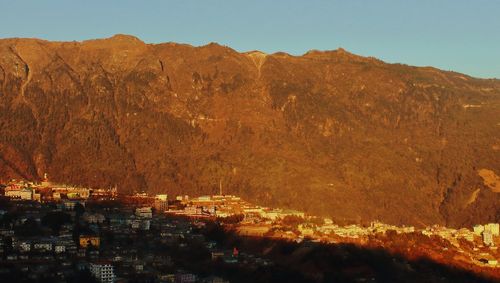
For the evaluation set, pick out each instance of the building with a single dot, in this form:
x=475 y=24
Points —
x=102 y=271
x=488 y=238
x=163 y=197
x=71 y=204
x=87 y=240
x=59 y=249
x=41 y=244
x=253 y=230
x=24 y=194
x=306 y=230
x=144 y=212
x=24 y=246
x=217 y=254
x=93 y=217
x=478 y=229
x=161 y=203
x=185 y=278
x=493 y=228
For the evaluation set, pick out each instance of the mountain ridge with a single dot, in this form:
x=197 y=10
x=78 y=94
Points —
x=279 y=129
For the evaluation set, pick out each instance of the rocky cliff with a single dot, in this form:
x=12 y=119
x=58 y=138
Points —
x=328 y=132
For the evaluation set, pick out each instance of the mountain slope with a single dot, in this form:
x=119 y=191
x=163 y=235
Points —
x=329 y=132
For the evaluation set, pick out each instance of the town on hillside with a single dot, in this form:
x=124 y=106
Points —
x=60 y=233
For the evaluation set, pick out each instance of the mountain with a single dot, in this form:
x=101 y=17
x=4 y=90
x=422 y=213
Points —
x=328 y=132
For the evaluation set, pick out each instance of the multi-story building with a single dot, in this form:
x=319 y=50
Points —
x=103 y=271
x=161 y=203
x=493 y=228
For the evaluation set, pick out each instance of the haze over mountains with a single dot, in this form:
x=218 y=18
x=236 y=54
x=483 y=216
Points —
x=330 y=133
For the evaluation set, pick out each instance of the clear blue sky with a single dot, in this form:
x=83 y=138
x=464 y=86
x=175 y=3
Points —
x=459 y=35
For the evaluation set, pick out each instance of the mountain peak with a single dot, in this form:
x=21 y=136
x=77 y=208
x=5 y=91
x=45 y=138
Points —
x=125 y=37
x=116 y=40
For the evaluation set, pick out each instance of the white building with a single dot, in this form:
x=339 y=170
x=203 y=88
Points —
x=493 y=228
x=488 y=238
x=478 y=229
x=43 y=246
x=59 y=249
x=24 y=194
x=103 y=271
x=24 y=246
x=93 y=217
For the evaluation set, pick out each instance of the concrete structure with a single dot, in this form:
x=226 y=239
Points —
x=103 y=271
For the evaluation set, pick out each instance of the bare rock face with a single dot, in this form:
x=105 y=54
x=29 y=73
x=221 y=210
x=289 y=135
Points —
x=330 y=132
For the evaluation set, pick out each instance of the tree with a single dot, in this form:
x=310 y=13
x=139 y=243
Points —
x=292 y=220
x=233 y=219
x=28 y=229
x=54 y=220
x=79 y=210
